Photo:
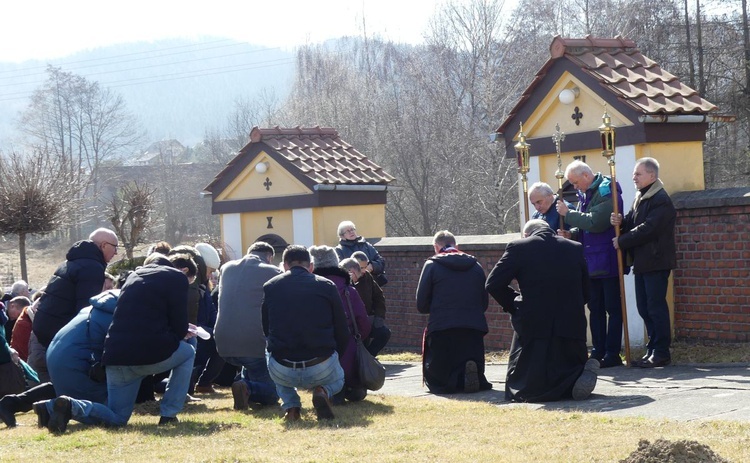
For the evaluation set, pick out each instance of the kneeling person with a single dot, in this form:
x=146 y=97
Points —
x=305 y=328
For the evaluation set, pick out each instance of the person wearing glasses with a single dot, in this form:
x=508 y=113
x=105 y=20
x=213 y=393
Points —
x=75 y=281
x=350 y=242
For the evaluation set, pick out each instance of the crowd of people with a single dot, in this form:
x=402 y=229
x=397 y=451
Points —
x=89 y=346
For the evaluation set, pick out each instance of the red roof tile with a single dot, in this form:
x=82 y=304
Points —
x=637 y=80
x=621 y=69
x=318 y=153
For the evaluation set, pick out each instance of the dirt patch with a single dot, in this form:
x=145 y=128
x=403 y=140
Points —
x=681 y=451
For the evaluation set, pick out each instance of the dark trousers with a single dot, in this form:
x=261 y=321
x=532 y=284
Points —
x=208 y=364
x=605 y=318
x=378 y=339
x=651 y=298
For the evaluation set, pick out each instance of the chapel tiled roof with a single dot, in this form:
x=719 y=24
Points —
x=636 y=80
x=321 y=155
x=623 y=70
x=317 y=152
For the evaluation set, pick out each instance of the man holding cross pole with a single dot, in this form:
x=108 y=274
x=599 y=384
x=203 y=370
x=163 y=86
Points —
x=591 y=226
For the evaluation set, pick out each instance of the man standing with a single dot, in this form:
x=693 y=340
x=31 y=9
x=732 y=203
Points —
x=648 y=238
x=592 y=228
x=68 y=291
x=305 y=328
x=548 y=352
x=239 y=327
x=451 y=291
x=543 y=198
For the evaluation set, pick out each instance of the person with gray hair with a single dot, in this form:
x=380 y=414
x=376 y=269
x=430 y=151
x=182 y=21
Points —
x=239 y=328
x=372 y=295
x=350 y=242
x=590 y=226
x=647 y=236
x=548 y=351
x=451 y=291
x=543 y=198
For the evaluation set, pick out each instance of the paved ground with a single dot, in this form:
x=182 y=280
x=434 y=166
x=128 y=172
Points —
x=677 y=392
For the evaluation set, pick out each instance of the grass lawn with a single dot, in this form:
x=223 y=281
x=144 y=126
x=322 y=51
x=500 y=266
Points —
x=382 y=429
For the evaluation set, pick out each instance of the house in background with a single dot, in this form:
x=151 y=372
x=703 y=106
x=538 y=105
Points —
x=294 y=186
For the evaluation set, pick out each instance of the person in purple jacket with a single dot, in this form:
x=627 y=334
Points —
x=591 y=227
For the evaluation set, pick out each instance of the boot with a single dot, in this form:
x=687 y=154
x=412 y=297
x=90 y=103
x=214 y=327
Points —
x=19 y=403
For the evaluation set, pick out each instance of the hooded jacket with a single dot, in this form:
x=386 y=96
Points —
x=648 y=231
x=451 y=290
x=69 y=353
x=76 y=280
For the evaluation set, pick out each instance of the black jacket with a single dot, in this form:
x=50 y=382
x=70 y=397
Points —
x=553 y=278
x=303 y=317
x=151 y=316
x=451 y=290
x=75 y=281
x=346 y=248
x=648 y=231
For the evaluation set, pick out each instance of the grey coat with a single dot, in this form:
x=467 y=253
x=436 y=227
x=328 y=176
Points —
x=239 y=328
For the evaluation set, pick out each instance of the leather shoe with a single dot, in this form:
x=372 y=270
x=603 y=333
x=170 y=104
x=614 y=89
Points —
x=471 y=377
x=8 y=411
x=322 y=404
x=292 y=414
x=62 y=412
x=646 y=356
x=586 y=383
x=205 y=389
x=610 y=361
x=164 y=420
x=241 y=395
x=42 y=414
x=655 y=362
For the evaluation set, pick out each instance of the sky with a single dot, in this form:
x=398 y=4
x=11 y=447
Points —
x=49 y=29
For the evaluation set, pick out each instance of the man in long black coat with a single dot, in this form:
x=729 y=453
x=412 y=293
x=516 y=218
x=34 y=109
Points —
x=548 y=352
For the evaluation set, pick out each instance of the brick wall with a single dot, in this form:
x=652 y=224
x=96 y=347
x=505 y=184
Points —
x=712 y=279
x=711 y=283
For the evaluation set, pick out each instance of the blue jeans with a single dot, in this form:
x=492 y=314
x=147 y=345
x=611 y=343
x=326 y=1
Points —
x=651 y=299
x=123 y=382
x=327 y=374
x=605 y=318
x=255 y=375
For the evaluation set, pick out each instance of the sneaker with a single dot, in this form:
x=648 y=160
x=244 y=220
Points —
x=8 y=411
x=62 y=411
x=241 y=395
x=471 y=377
x=189 y=398
x=42 y=414
x=163 y=420
x=322 y=404
x=586 y=383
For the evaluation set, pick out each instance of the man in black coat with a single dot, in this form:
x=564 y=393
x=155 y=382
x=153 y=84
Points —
x=306 y=329
x=648 y=239
x=75 y=281
x=548 y=352
x=451 y=290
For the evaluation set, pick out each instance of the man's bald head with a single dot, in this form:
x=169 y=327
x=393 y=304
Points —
x=106 y=240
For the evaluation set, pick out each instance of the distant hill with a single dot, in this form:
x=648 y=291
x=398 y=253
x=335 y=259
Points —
x=177 y=88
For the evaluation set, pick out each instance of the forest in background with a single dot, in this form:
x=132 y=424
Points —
x=422 y=112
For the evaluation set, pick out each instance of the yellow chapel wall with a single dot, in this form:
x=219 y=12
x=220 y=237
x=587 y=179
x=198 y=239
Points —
x=680 y=164
x=369 y=219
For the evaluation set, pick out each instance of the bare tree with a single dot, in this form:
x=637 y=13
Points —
x=35 y=194
x=78 y=120
x=130 y=210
